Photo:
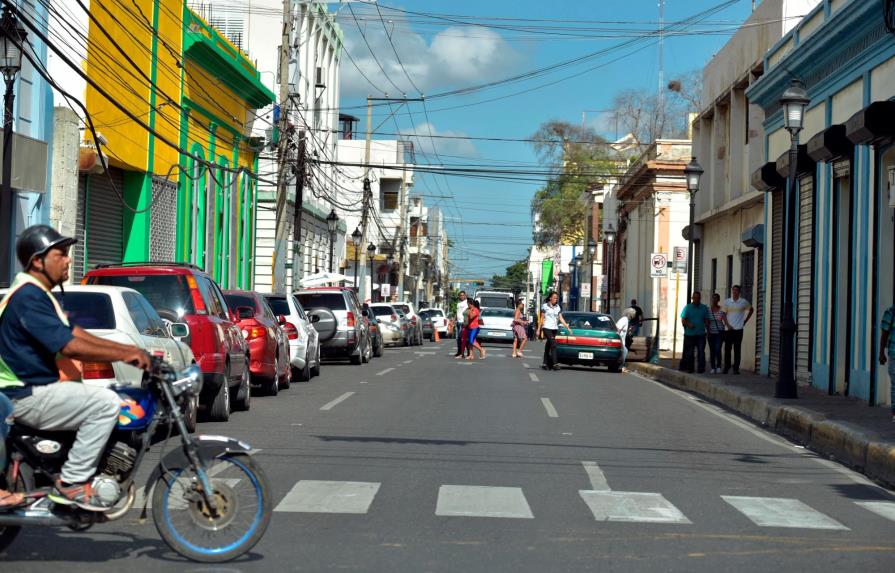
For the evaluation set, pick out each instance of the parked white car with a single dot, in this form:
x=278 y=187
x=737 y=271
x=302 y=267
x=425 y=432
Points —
x=304 y=342
x=416 y=323
x=392 y=330
x=124 y=315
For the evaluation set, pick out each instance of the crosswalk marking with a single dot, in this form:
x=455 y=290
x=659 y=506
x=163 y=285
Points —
x=315 y=496
x=632 y=507
x=882 y=508
x=482 y=501
x=781 y=512
x=595 y=475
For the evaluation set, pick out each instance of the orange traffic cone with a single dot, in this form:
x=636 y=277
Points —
x=436 y=335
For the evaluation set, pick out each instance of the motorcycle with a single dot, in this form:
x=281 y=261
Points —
x=210 y=502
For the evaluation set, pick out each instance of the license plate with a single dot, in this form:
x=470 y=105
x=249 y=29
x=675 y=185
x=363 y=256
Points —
x=585 y=355
x=492 y=333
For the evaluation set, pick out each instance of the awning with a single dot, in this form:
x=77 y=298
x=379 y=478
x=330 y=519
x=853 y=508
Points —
x=804 y=163
x=766 y=178
x=873 y=124
x=830 y=144
x=320 y=279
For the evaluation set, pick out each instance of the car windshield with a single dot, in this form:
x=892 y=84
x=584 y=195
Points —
x=429 y=313
x=168 y=294
x=236 y=300
x=589 y=321
x=403 y=308
x=496 y=301
x=503 y=313
x=382 y=310
x=89 y=310
x=279 y=305
x=330 y=300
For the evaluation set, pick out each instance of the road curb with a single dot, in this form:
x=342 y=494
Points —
x=847 y=443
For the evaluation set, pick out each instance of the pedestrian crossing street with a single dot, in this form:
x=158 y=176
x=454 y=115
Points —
x=359 y=498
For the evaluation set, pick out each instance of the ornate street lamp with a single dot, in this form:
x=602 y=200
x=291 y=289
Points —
x=574 y=265
x=693 y=171
x=11 y=42
x=560 y=276
x=371 y=250
x=794 y=101
x=609 y=237
x=332 y=223
x=356 y=237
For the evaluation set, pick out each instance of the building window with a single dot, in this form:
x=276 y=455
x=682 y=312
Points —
x=729 y=274
x=389 y=191
x=747 y=275
x=714 y=278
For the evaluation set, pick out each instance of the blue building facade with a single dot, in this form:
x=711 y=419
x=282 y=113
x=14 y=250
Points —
x=845 y=54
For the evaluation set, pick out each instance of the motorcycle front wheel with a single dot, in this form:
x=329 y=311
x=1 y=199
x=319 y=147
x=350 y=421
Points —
x=191 y=528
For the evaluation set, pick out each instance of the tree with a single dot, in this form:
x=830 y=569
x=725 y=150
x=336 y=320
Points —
x=578 y=158
x=515 y=278
x=648 y=116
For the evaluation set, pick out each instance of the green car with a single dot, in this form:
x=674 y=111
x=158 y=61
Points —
x=593 y=341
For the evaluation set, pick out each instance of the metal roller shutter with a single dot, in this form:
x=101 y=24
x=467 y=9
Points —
x=776 y=282
x=103 y=216
x=803 y=304
x=163 y=229
x=759 y=309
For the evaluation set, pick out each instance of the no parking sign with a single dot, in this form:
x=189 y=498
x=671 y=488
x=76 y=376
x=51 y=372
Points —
x=658 y=267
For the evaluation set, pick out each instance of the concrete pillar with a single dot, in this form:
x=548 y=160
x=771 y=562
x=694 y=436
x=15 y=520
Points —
x=64 y=189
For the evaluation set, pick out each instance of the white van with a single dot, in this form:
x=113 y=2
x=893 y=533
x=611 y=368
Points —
x=495 y=299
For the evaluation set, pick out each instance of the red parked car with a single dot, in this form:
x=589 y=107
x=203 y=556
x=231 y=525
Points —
x=268 y=343
x=182 y=292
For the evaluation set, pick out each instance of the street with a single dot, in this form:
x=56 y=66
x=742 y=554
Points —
x=418 y=462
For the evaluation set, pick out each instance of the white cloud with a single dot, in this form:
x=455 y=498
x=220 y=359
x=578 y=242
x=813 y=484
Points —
x=428 y=145
x=456 y=56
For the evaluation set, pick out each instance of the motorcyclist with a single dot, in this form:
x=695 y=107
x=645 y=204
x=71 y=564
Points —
x=35 y=337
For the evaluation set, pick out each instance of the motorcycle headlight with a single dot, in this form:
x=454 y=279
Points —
x=190 y=381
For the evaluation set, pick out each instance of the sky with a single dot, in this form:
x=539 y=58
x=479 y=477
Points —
x=448 y=45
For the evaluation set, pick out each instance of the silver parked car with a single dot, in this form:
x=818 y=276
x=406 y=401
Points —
x=304 y=342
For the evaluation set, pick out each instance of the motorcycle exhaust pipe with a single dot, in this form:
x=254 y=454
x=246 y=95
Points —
x=32 y=518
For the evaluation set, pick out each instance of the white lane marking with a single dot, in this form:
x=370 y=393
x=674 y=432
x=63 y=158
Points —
x=408 y=361
x=313 y=496
x=595 y=475
x=337 y=401
x=525 y=365
x=882 y=508
x=534 y=377
x=632 y=507
x=384 y=372
x=482 y=501
x=781 y=512
x=363 y=382
x=548 y=405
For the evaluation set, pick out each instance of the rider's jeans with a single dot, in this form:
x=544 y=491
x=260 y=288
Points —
x=72 y=406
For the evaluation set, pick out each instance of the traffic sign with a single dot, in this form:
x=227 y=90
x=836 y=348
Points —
x=680 y=259
x=585 y=290
x=658 y=265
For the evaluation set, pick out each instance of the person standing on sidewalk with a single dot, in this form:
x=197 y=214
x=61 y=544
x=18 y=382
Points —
x=637 y=321
x=551 y=318
x=737 y=312
x=462 y=305
x=716 y=333
x=695 y=318
x=887 y=344
x=623 y=326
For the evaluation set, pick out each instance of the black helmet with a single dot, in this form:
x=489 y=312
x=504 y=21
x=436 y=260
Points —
x=37 y=241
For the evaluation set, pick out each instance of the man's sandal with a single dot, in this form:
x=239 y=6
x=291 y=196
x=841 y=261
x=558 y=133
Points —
x=12 y=500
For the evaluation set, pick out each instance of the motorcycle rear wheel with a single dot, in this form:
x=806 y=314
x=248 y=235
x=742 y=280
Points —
x=187 y=525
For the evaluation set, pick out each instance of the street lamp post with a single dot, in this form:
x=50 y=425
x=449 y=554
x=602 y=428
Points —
x=794 y=101
x=591 y=250
x=609 y=236
x=371 y=250
x=356 y=237
x=573 y=279
x=693 y=171
x=560 y=277
x=13 y=35
x=332 y=223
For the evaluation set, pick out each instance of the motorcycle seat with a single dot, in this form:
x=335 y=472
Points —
x=19 y=430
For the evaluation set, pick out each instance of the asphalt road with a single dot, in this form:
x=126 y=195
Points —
x=417 y=462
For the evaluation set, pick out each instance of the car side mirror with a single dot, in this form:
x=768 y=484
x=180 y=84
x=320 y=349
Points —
x=179 y=330
x=281 y=320
x=245 y=312
x=315 y=318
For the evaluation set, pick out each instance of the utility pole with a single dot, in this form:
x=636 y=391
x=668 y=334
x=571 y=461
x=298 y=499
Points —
x=300 y=167
x=278 y=272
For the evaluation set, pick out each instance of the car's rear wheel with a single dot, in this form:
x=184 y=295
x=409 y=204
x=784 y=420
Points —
x=615 y=367
x=286 y=380
x=220 y=408
x=244 y=395
x=377 y=352
x=191 y=413
x=273 y=385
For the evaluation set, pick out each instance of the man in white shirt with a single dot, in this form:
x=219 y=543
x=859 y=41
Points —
x=622 y=326
x=462 y=305
x=737 y=312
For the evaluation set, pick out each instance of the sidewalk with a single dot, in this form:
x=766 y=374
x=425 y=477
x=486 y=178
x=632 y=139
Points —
x=846 y=429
